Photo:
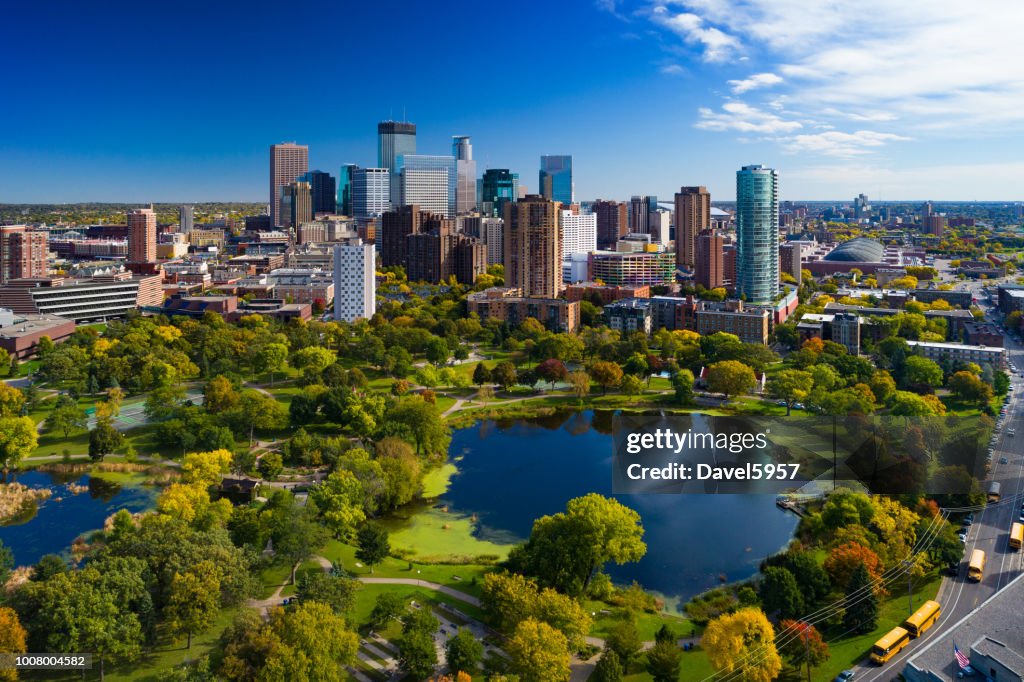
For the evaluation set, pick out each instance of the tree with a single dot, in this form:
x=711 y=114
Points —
x=336 y=591
x=861 y=602
x=318 y=645
x=538 y=653
x=315 y=359
x=730 y=378
x=194 y=600
x=743 y=643
x=339 y=500
x=437 y=351
x=512 y=598
x=791 y=385
x=920 y=371
x=970 y=388
x=504 y=375
x=682 y=385
x=608 y=668
x=552 y=370
x=13 y=639
x=18 y=438
x=481 y=375
x=270 y=466
x=464 y=652
x=272 y=358
x=663 y=661
x=205 y=468
x=297 y=536
x=580 y=383
x=811 y=578
x=607 y=374
x=422 y=421
x=104 y=439
x=387 y=607
x=631 y=385
x=624 y=640
x=259 y=412
x=417 y=653
x=12 y=400
x=373 y=545
x=779 y=593
x=846 y=559
x=802 y=643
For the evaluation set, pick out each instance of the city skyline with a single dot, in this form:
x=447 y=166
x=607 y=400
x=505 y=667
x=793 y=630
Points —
x=714 y=84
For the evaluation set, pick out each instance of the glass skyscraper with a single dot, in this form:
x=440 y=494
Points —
x=556 y=178
x=394 y=139
x=427 y=162
x=757 y=234
x=344 y=197
x=498 y=187
x=322 y=187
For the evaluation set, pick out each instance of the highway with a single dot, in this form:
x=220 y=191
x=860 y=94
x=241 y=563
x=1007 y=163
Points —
x=989 y=532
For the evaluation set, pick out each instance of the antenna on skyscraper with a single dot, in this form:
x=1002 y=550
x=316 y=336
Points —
x=404 y=119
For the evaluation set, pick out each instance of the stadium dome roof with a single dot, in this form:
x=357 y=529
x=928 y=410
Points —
x=859 y=250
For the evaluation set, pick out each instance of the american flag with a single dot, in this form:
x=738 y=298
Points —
x=962 y=660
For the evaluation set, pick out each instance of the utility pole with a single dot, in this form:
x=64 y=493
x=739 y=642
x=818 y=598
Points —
x=807 y=649
x=910 y=594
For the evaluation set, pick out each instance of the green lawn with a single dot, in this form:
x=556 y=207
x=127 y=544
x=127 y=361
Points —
x=646 y=623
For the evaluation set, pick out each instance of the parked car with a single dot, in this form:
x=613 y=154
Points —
x=844 y=676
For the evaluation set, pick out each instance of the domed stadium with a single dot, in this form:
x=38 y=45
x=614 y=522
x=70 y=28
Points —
x=859 y=250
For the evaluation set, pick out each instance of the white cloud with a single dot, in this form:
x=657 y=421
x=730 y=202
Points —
x=954 y=182
x=743 y=118
x=758 y=80
x=836 y=143
x=672 y=70
x=717 y=45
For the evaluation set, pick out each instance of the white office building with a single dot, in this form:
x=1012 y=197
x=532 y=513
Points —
x=355 y=281
x=426 y=188
x=579 y=233
x=371 y=192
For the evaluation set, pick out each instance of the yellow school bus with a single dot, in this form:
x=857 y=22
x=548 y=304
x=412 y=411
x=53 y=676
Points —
x=977 y=567
x=1016 y=535
x=923 y=618
x=890 y=645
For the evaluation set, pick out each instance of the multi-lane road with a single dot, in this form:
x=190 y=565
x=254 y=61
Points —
x=989 y=532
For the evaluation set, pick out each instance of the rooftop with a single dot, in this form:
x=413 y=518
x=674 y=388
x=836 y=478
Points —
x=858 y=250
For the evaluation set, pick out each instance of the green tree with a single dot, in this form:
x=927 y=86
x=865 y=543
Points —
x=607 y=374
x=372 y=545
x=104 y=439
x=194 y=600
x=861 y=613
x=663 y=661
x=421 y=421
x=339 y=500
x=270 y=466
x=779 y=593
x=791 y=385
x=920 y=371
x=272 y=358
x=538 y=653
x=624 y=640
x=18 y=438
x=219 y=395
x=437 y=351
x=730 y=378
x=631 y=385
x=504 y=375
x=464 y=652
x=386 y=608
x=336 y=591
x=481 y=375
x=297 y=536
x=682 y=385
x=608 y=668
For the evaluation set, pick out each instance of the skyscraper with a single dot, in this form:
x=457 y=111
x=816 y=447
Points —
x=640 y=210
x=423 y=187
x=185 y=218
x=322 y=191
x=533 y=246
x=394 y=139
x=296 y=204
x=288 y=161
x=465 y=169
x=693 y=216
x=141 y=235
x=579 y=233
x=757 y=233
x=556 y=178
x=371 y=193
x=709 y=270
x=498 y=187
x=612 y=221
x=344 y=196
x=23 y=253
x=355 y=281
x=395 y=226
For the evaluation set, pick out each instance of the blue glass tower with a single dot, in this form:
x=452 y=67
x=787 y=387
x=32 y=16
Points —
x=344 y=198
x=556 y=178
x=498 y=187
x=757 y=234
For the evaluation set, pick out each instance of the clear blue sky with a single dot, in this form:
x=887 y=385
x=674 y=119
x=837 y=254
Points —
x=118 y=101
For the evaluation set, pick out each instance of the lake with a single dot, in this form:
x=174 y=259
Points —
x=511 y=473
x=57 y=522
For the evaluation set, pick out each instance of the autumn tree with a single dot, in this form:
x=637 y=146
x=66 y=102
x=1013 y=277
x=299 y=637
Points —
x=743 y=643
x=631 y=385
x=846 y=559
x=580 y=383
x=607 y=374
x=13 y=639
x=538 y=653
x=18 y=438
x=730 y=378
x=801 y=643
x=194 y=600
x=790 y=385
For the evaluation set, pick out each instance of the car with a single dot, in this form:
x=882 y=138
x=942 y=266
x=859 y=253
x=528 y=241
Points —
x=963 y=538
x=844 y=676
x=1021 y=518
x=969 y=519
x=1003 y=460
x=953 y=569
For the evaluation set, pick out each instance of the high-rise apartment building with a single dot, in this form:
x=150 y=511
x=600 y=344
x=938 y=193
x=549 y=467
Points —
x=322 y=191
x=394 y=139
x=296 y=204
x=395 y=226
x=437 y=253
x=498 y=187
x=343 y=199
x=579 y=233
x=141 y=235
x=23 y=253
x=693 y=216
x=612 y=222
x=288 y=161
x=355 y=281
x=556 y=178
x=640 y=210
x=371 y=192
x=533 y=246
x=424 y=188
x=709 y=267
x=465 y=169
x=757 y=234
x=186 y=218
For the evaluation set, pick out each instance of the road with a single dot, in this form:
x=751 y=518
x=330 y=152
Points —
x=989 y=532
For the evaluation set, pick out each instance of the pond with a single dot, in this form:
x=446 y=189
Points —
x=511 y=473
x=65 y=515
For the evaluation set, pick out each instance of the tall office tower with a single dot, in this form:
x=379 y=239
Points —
x=322 y=191
x=640 y=210
x=861 y=206
x=185 y=218
x=423 y=186
x=927 y=209
x=296 y=204
x=395 y=226
x=709 y=271
x=579 y=233
x=394 y=139
x=465 y=170
x=355 y=281
x=556 y=178
x=343 y=200
x=288 y=161
x=141 y=235
x=533 y=246
x=23 y=253
x=693 y=216
x=371 y=192
x=498 y=187
x=612 y=221
x=757 y=233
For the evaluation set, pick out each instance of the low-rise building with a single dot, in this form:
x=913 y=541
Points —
x=752 y=326
x=97 y=298
x=960 y=352
x=640 y=268
x=983 y=334
x=592 y=291
x=629 y=315
x=20 y=333
x=507 y=304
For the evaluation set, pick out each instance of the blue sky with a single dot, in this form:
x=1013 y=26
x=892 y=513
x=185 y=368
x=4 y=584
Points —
x=178 y=102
